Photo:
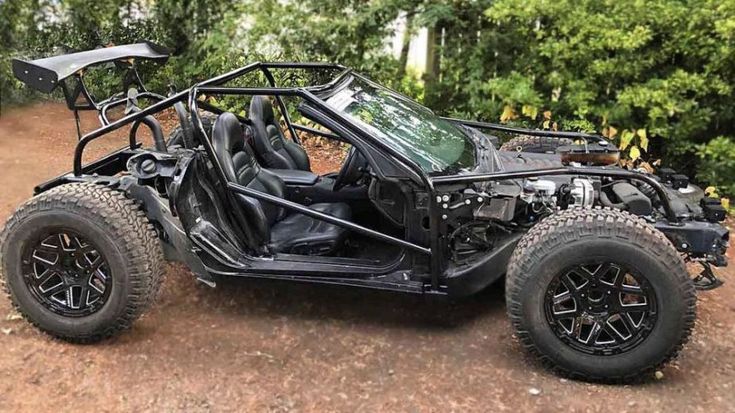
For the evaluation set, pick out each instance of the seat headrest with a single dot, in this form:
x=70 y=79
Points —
x=262 y=109
x=227 y=134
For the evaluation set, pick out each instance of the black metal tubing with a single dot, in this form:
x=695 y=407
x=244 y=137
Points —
x=317 y=132
x=181 y=96
x=155 y=108
x=104 y=107
x=525 y=131
x=612 y=173
x=281 y=106
x=325 y=217
x=156 y=130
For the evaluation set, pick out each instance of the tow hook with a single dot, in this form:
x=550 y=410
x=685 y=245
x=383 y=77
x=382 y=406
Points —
x=706 y=280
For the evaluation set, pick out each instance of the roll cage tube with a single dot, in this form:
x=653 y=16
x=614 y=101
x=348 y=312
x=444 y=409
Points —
x=181 y=96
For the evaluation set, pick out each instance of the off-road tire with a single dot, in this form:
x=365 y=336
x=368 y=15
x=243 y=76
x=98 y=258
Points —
x=120 y=231
x=535 y=144
x=573 y=235
x=176 y=137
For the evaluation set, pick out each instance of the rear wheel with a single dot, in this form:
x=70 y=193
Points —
x=535 y=144
x=599 y=294
x=80 y=261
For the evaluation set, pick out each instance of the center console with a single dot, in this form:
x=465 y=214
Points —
x=305 y=187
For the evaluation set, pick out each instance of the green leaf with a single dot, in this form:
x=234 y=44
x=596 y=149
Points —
x=625 y=138
x=642 y=139
x=530 y=111
x=508 y=114
x=635 y=153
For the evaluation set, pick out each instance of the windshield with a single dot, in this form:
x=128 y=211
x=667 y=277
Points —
x=411 y=129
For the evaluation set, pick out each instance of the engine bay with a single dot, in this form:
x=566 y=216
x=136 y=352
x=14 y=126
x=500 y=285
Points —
x=481 y=216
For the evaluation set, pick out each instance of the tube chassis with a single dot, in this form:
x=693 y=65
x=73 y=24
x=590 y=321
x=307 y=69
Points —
x=207 y=252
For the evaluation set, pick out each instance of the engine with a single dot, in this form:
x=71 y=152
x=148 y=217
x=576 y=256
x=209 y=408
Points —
x=531 y=199
x=481 y=218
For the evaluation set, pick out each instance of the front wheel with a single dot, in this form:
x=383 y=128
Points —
x=80 y=261
x=598 y=294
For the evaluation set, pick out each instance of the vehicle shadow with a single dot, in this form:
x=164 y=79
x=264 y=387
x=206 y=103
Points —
x=295 y=300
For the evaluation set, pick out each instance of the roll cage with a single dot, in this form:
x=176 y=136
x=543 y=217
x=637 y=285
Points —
x=434 y=186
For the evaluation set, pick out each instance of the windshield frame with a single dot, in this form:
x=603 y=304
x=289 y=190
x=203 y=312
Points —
x=450 y=169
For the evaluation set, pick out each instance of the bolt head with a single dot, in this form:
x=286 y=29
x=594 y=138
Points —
x=444 y=217
x=438 y=198
x=445 y=198
x=479 y=199
x=467 y=202
x=445 y=206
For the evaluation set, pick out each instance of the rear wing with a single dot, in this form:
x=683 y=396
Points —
x=45 y=74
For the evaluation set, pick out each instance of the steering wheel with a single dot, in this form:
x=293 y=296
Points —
x=351 y=170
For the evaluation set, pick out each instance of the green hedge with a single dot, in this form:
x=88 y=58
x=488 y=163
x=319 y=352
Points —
x=657 y=76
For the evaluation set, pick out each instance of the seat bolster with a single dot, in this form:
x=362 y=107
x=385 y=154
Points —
x=256 y=217
x=275 y=160
x=301 y=234
x=298 y=155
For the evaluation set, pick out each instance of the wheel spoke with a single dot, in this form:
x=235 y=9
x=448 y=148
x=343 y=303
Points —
x=621 y=330
x=630 y=289
x=49 y=280
x=53 y=289
x=560 y=298
x=569 y=283
x=594 y=333
x=95 y=265
x=44 y=259
x=609 y=274
x=47 y=249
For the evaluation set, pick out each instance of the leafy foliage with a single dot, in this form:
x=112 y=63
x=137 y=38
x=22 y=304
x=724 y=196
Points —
x=656 y=76
x=718 y=163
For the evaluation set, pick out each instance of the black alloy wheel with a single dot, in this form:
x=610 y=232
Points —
x=67 y=274
x=600 y=308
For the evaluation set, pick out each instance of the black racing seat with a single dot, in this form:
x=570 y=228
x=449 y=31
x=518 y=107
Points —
x=275 y=151
x=285 y=232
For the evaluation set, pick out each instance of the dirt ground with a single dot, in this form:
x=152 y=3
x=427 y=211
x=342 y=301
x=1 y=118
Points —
x=267 y=346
